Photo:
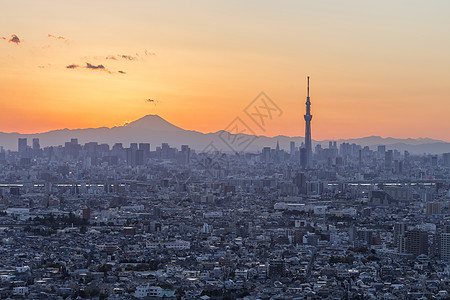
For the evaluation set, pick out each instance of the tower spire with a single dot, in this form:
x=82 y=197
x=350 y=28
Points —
x=308 y=88
x=308 y=118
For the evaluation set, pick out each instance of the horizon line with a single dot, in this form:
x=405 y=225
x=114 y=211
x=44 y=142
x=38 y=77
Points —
x=126 y=123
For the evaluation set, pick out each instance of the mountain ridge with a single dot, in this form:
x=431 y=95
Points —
x=155 y=130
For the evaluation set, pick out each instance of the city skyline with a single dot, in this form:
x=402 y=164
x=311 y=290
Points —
x=385 y=68
x=167 y=150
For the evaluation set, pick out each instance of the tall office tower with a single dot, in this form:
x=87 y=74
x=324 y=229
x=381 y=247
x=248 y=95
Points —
x=22 y=147
x=444 y=246
x=292 y=152
x=265 y=155
x=36 y=146
x=308 y=118
x=388 y=155
x=185 y=154
x=145 y=147
x=381 y=151
x=300 y=181
x=446 y=159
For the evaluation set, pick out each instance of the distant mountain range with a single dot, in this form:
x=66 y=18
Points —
x=155 y=130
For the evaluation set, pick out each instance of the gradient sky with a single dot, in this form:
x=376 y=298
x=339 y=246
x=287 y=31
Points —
x=376 y=67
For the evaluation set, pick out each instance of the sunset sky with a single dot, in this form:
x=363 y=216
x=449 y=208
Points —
x=376 y=67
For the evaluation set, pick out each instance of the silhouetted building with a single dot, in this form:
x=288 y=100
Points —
x=265 y=155
x=300 y=181
x=446 y=159
x=36 y=146
x=308 y=118
x=416 y=242
x=134 y=157
x=22 y=146
x=292 y=149
x=388 y=157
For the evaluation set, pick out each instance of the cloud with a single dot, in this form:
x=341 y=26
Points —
x=56 y=37
x=44 y=66
x=94 y=67
x=122 y=56
x=147 y=53
x=61 y=38
x=98 y=67
x=14 y=39
x=128 y=57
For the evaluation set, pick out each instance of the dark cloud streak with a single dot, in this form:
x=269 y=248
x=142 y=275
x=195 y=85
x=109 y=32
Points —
x=14 y=39
x=98 y=67
x=128 y=57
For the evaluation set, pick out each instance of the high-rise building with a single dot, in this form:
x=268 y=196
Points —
x=185 y=154
x=22 y=145
x=308 y=118
x=381 y=149
x=265 y=155
x=444 y=245
x=36 y=146
x=433 y=208
x=300 y=181
x=292 y=150
x=416 y=242
x=399 y=231
x=388 y=156
x=446 y=159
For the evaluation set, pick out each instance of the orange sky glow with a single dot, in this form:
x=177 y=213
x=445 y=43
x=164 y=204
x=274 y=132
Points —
x=377 y=67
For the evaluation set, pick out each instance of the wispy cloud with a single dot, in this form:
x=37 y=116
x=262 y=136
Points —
x=61 y=38
x=13 y=39
x=44 y=66
x=122 y=56
x=148 y=53
x=128 y=57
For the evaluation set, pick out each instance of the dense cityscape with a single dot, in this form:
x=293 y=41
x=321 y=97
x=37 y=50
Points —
x=100 y=222
x=224 y=150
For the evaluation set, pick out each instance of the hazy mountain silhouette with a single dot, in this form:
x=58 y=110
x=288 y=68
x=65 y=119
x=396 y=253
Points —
x=155 y=130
